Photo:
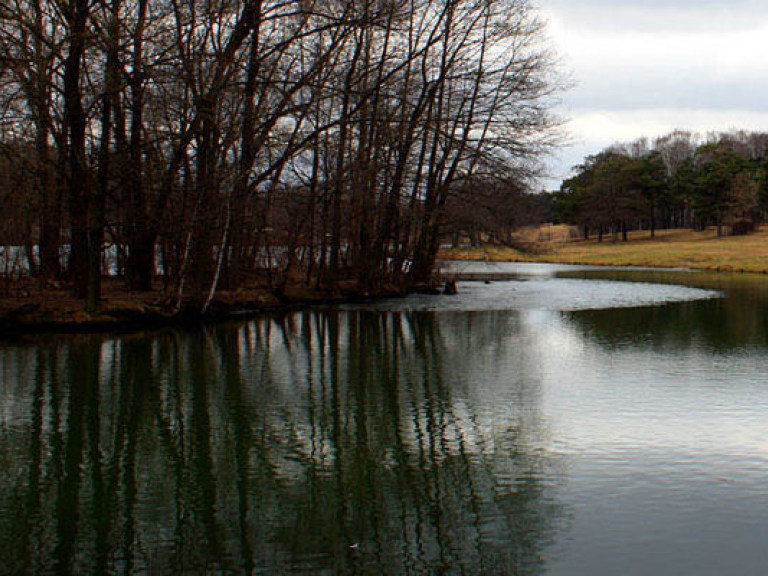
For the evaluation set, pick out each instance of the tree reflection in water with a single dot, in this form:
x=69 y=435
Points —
x=317 y=442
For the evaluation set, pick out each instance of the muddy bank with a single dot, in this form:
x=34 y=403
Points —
x=24 y=310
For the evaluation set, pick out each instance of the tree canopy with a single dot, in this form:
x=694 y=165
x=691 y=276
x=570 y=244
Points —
x=682 y=180
x=205 y=142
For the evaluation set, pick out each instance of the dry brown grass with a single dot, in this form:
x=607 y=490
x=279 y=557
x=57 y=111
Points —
x=671 y=248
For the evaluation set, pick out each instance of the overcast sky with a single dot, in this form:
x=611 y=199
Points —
x=647 y=67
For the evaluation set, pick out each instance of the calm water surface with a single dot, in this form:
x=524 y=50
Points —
x=570 y=421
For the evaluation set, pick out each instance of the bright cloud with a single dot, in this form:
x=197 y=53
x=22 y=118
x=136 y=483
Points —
x=599 y=127
x=644 y=69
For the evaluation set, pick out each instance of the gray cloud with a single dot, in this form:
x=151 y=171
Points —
x=579 y=5
x=657 y=15
x=639 y=91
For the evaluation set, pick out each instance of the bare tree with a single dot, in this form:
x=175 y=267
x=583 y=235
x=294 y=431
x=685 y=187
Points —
x=248 y=136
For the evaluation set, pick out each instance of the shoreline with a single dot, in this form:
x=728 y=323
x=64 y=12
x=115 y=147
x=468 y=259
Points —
x=57 y=312
x=26 y=310
x=644 y=265
x=677 y=248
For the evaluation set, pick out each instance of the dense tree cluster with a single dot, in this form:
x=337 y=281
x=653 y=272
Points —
x=492 y=211
x=681 y=180
x=205 y=141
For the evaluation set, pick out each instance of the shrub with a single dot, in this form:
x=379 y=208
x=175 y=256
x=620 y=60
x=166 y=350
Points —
x=742 y=227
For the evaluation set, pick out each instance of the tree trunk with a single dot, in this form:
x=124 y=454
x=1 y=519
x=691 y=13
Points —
x=141 y=233
x=203 y=224
x=78 y=177
x=50 y=215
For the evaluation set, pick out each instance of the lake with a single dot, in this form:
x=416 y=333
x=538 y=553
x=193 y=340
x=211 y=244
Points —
x=565 y=421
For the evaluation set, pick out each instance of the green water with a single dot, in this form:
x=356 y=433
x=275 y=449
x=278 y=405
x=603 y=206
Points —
x=504 y=431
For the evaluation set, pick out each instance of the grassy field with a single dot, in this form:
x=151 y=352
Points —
x=671 y=248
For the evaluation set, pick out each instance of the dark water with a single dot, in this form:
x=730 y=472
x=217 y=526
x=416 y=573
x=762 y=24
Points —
x=564 y=423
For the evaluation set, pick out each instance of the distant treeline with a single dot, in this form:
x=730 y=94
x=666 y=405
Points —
x=206 y=141
x=680 y=180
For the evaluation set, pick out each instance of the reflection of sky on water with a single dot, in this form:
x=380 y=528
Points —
x=539 y=293
x=550 y=294
x=536 y=269
x=657 y=412
x=665 y=447
x=558 y=439
x=610 y=395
